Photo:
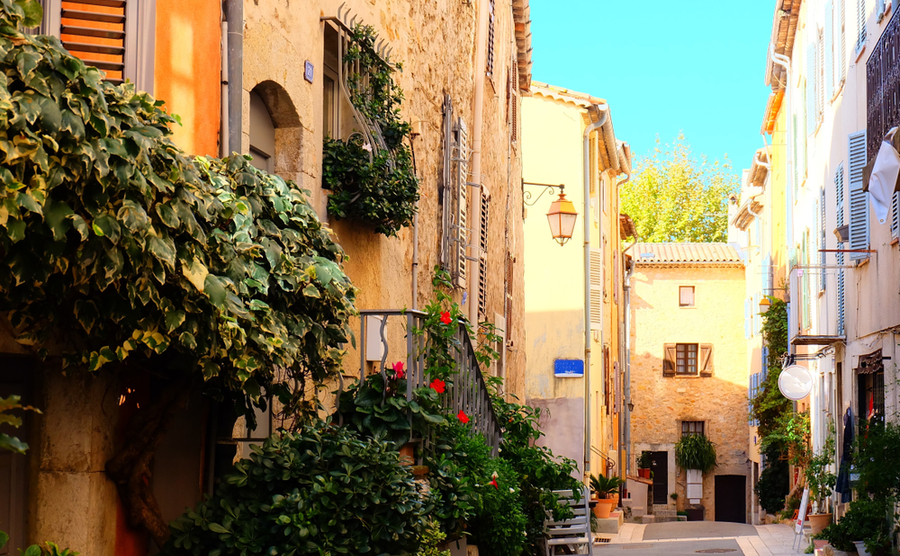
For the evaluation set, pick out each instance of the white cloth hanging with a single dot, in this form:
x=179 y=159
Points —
x=884 y=177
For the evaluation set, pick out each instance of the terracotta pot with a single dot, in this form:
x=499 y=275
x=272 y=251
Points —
x=603 y=508
x=615 y=499
x=644 y=473
x=408 y=454
x=817 y=522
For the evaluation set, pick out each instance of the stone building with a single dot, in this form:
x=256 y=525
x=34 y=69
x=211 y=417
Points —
x=257 y=77
x=689 y=369
x=556 y=125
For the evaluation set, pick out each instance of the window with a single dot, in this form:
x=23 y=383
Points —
x=115 y=37
x=330 y=94
x=829 y=50
x=692 y=427
x=685 y=296
x=686 y=359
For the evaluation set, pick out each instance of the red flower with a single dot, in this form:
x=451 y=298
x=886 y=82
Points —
x=494 y=482
x=398 y=370
x=438 y=385
x=445 y=317
x=463 y=418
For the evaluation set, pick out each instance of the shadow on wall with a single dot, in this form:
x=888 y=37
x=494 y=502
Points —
x=552 y=335
x=562 y=420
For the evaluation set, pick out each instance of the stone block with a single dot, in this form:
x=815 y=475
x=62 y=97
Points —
x=609 y=525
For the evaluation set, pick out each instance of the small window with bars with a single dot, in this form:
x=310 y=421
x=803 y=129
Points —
x=686 y=296
x=686 y=359
x=692 y=427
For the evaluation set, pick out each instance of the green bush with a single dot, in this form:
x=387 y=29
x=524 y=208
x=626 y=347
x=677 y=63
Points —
x=499 y=528
x=48 y=549
x=322 y=490
x=867 y=520
x=774 y=483
x=695 y=451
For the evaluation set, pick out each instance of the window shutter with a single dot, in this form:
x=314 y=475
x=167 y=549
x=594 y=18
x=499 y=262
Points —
x=895 y=215
x=765 y=363
x=839 y=219
x=820 y=77
x=669 y=360
x=859 y=199
x=860 y=24
x=706 y=360
x=795 y=145
x=482 y=263
x=747 y=318
x=822 y=239
x=811 y=112
x=829 y=50
x=596 y=276
x=842 y=42
x=115 y=36
x=615 y=284
x=491 y=35
x=806 y=281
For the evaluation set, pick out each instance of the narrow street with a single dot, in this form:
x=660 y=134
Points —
x=699 y=537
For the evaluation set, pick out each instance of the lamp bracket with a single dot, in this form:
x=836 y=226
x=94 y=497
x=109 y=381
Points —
x=527 y=195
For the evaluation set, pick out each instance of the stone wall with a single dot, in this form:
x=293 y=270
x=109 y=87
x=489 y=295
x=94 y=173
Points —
x=720 y=401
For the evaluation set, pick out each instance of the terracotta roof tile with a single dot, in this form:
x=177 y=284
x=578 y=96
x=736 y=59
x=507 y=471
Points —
x=686 y=253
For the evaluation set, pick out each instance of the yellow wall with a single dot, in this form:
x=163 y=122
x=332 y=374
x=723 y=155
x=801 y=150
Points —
x=662 y=403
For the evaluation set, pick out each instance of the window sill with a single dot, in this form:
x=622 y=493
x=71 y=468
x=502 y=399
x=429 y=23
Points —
x=687 y=306
x=895 y=241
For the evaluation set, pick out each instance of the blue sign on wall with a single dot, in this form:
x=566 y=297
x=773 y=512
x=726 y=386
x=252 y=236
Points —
x=308 y=71
x=568 y=368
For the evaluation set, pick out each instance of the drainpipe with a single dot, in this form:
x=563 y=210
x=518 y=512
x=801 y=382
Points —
x=477 y=124
x=785 y=62
x=224 y=136
x=604 y=115
x=626 y=379
x=622 y=356
x=234 y=23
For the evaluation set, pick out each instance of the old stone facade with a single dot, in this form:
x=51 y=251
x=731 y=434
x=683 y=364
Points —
x=689 y=369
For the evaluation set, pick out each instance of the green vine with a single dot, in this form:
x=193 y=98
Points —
x=371 y=182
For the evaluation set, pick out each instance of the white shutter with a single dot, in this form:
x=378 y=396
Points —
x=747 y=318
x=842 y=40
x=829 y=50
x=596 y=273
x=860 y=24
x=895 y=215
x=859 y=199
x=820 y=77
x=811 y=111
x=839 y=220
x=822 y=239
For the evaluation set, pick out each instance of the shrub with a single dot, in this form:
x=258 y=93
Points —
x=321 y=490
x=695 y=451
x=773 y=484
x=499 y=529
x=865 y=521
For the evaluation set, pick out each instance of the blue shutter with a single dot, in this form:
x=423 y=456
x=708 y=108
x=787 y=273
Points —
x=822 y=239
x=765 y=362
x=859 y=199
x=839 y=219
x=860 y=24
x=829 y=50
x=842 y=41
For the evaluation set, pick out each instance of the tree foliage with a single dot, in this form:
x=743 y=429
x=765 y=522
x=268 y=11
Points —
x=675 y=197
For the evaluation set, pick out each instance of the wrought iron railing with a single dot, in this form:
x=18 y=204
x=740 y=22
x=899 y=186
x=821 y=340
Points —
x=467 y=391
x=883 y=87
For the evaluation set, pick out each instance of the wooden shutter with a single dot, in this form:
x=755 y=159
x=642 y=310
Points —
x=491 y=35
x=811 y=114
x=895 y=215
x=596 y=277
x=842 y=40
x=829 y=50
x=461 y=204
x=859 y=199
x=822 y=239
x=860 y=24
x=669 y=356
x=115 y=36
x=482 y=263
x=706 y=359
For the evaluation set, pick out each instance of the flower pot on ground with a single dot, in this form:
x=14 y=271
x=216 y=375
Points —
x=818 y=522
x=603 y=508
x=606 y=487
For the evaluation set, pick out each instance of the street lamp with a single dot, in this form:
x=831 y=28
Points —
x=562 y=214
x=764 y=305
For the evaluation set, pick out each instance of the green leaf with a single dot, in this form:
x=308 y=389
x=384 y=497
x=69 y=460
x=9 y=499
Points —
x=196 y=273
x=311 y=291
x=12 y=444
x=162 y=249
x=216 y=528
x=174 y=319
x=214 y=287
x=59 y=217
x=33 y=16
x=106 y=226
x=4 y=538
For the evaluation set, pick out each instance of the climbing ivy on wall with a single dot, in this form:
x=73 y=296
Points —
x=374 y=183
x=117 y=251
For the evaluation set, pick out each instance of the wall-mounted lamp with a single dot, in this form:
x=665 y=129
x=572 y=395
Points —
x=630 y=406
x=562 y=214
x=764 y=304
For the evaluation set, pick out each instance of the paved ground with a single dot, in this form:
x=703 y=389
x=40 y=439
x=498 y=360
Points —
x=697 y=529
x=683 y=538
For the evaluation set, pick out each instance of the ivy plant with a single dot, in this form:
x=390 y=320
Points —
x=119 y=252
x=374 y=183
x=7 y=406
x=695 y=451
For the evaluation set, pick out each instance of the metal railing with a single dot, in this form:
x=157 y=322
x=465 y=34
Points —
x=466 y=391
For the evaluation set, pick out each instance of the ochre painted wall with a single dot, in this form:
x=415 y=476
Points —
x=187 y=70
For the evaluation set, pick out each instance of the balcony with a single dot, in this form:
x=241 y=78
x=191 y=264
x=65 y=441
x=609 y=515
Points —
x=386 y=336
x=883 y=86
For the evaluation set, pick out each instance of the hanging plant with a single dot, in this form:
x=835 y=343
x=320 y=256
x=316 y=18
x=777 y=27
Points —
x=695 y=451
x=371 y=175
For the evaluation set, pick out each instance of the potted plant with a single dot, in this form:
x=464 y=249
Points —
x=644 y=463
x=695 y=451
x=820 y=480
x=674 y=497
x=864 y=528
x=604 y=487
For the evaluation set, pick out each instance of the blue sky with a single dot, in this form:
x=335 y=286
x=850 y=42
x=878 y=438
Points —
x=696 y=66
